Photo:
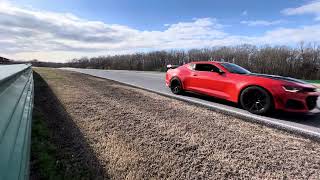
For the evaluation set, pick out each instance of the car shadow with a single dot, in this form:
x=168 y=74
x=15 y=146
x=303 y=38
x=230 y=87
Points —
x=75 y=155
x=310 y=119
x=210 y=98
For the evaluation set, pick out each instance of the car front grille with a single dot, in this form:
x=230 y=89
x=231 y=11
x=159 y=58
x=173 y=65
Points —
x=311 y=102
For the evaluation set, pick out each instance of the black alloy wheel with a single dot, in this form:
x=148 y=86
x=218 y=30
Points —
x=256 y=100
x=176 y=87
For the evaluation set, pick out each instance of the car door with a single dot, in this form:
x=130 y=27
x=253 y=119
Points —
x=209 y=79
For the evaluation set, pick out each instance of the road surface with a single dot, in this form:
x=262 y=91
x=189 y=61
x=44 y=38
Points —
x=308 y=124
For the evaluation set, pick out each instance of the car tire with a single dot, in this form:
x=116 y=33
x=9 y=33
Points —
x=256 y=100
x=176 y=86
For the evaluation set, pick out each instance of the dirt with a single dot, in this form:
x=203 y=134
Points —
x=128 y=133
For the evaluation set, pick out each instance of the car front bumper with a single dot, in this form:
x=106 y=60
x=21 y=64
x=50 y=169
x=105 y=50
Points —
x=297 y=102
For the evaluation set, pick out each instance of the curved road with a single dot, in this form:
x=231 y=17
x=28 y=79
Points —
x=308 y=124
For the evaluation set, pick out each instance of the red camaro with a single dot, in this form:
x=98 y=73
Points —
x=257 y=93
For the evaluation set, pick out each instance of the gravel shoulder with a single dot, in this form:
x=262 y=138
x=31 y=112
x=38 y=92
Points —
x=135 y=134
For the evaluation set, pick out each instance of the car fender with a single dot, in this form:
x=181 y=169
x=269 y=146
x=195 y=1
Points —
x=244 y=86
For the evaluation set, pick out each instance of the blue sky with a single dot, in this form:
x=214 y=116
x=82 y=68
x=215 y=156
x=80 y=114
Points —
x=56 y=30
x=153 y=14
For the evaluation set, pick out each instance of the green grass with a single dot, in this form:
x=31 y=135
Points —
x=48 y=73
x=43 y=150
x=314 y=81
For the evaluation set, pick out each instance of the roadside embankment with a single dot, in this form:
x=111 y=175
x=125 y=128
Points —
x=124 y=132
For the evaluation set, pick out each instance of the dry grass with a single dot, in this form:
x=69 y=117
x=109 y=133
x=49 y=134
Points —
x=141 y=135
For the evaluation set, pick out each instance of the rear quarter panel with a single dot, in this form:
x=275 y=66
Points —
x=182 y=72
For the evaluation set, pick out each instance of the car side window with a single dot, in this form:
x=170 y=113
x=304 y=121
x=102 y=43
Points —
x=207 y=67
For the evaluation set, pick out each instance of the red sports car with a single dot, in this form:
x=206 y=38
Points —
x=257 y=93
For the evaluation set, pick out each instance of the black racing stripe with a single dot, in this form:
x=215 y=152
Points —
x=278 y=78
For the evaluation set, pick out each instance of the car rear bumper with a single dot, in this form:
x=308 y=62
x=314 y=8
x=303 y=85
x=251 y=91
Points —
x=297 y=102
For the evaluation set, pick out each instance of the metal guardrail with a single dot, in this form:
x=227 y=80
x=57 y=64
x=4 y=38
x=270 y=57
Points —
x=16 y=103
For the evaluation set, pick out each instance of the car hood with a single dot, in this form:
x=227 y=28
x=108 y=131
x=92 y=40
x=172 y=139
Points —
x=281 y=78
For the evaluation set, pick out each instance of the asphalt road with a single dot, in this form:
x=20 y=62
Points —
x=307 y=124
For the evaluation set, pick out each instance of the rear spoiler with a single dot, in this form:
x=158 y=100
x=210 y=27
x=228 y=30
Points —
x=170 y=66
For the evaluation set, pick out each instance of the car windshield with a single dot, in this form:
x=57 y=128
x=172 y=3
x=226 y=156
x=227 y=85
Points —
x=233 y=68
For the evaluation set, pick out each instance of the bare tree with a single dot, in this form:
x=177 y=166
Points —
x=300 y=62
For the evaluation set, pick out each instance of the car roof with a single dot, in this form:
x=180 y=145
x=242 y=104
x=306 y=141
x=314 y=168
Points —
x=206 y=62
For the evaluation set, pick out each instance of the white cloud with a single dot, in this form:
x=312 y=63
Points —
x=244 y=13
x=26 y=33
x=310 y=8
x=262 y=22
x=292 y=35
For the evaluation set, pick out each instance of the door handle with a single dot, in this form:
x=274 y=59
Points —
x=194 y=75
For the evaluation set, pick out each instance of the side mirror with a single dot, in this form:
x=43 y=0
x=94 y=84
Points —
x=221 y=72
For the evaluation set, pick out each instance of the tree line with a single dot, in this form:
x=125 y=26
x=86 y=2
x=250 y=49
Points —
x=4 y=60
x=301 y=62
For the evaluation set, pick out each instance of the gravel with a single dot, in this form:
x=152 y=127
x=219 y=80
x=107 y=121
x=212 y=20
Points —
x=135 y=134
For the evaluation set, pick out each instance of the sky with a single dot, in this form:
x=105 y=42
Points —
x=59 y=30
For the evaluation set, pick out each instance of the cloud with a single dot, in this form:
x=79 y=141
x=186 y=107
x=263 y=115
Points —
x=27 y=33
x=34 y=31
x=309 y=8
x=262 y=22
x=37 y=27
x=244 y=13
x=292 y=35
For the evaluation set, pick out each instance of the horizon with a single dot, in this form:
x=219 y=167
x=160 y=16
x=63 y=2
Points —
x=57 y=32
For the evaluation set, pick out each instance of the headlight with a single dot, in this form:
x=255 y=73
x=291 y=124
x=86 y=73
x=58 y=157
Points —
x=292 y=89
x=318 y=89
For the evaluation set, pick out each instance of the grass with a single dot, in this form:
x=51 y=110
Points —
x=48 y=73
x=53 y=153
x=43 y=151
x=314 y=81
